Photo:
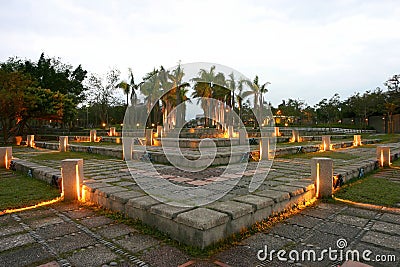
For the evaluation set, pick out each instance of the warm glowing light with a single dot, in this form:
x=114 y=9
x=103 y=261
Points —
x=6 y=160
x=317 y=190
x=365 y=205
x=83 y=194
x=191 y=130
x=137 y=124
x=41 y=204
x=324 y=146
x=277 y=133
x=62 y=185
x=78 y=186
x=235 y=134
x=382 y=158
x=357 y=140
x=152 y=125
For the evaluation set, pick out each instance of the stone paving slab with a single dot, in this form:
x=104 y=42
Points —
x=106 y=171
x=114 y=244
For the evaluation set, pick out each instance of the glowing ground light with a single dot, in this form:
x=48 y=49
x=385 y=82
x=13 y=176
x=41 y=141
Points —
x=78 y=186
x=41 y=204
x=317 y=191
x=382 y=158
x=6 y=160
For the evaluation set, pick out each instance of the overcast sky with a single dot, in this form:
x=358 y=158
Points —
x=308 y=50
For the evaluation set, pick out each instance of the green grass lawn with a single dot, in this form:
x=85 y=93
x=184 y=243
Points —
x=68 y=155
x=305 y=143
x=386 y=138
x=372 y=190
x=95 y=143
x=328 y=154
x=19 y=190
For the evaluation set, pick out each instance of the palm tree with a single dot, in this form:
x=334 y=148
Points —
x=134 y=87
x=179 y=89
x=152 y=91
x=257 y=90
x=209 y=85
x=240 y=96
x=126 y=88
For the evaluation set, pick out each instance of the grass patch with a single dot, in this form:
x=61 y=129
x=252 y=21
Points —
x=386 y=138
x=328 y=154
x=305 y=143
x=378 y=191
x=95 y=143
x=69 y=155
x=18 y=190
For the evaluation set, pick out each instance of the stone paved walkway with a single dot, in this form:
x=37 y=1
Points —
x=72 y=235
x=66 y=235
x=114 y=172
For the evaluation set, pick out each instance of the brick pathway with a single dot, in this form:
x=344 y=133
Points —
x=69 y=235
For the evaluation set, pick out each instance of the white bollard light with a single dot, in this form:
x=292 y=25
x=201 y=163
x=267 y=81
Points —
x=357 y=140
x=264 y=148
x=72 y=178
x=93 y=136
x=5 y=157
x=383 y=155
x=149 y=137
x=63 y=144
x=30 y=142
x=127 y=148
x=322 y=174
x=326 y=143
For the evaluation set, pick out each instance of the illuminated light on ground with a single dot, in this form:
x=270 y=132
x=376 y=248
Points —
x=41 y=204
x=366 y=205
x=78 y=185
x=317 y=190
x=357 y=140
x=226 y=134
x=6 y=160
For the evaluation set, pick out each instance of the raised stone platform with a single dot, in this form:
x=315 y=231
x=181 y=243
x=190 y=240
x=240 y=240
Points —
x=109 y=184
x=224 y=153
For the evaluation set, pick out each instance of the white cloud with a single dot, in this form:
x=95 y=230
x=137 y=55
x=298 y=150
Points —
x=306 y=49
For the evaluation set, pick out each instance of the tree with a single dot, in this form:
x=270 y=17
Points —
x=101 y=93
x=180 y=93
x=22 y=101
x=392 y=101
x=257 y=91
x=126 y=87
x=240 y=96
x=152 y=90
x=328 y=110
x=52 y=74
x=209 y=84
x=292 y=108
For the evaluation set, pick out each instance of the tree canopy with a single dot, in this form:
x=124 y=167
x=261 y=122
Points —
x=42 y=90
